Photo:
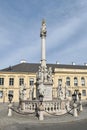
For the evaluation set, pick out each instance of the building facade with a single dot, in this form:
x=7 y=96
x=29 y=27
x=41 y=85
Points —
x=74 y=77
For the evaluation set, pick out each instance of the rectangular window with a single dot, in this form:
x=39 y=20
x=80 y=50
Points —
x=83 y=81
x=31 y=81
x=1 y=94
x=68 y=81
x=11 y=81
x=75 y=81
x=11 y=92
x=21 y=81
x=59 y=82
x=83 y=92
x=69 y=93
x=83 y=84
x=1 y=81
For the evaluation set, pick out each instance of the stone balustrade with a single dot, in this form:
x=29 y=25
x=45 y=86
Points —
x=51 y=107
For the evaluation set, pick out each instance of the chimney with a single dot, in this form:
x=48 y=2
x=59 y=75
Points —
x=23 y=61
x=85 y=64
x=57 y=63
x=73 y=63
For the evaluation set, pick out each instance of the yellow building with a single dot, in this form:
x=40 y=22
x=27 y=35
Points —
x=74 y=77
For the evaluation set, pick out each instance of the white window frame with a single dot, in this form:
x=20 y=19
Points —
x=21 y=81
x=83 y=81
x=31 y=81
x=59 y=82
x=68 y=81
x=83 y=93
x=1 y=81
x=11 y=81
x=1 y=94
x=75 y=81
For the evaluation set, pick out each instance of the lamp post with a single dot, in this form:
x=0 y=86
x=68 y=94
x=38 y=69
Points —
x=80 y=103
x=74 y=97
x=74 y=105
x=10 y=97
x=41 y=108
x=79 y=94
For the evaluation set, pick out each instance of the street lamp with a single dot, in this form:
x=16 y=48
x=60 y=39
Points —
x=79 y=94
x=10 y=97
x=74 y=97
x=80 y=107
x=41 y=107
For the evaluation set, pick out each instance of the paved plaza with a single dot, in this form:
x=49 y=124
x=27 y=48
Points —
x=78 y=125
x=19 y=119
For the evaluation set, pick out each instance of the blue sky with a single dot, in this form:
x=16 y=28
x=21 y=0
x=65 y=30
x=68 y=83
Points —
x=20 y=23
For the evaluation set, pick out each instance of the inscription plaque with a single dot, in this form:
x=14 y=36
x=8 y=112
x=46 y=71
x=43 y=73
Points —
x=47 y=93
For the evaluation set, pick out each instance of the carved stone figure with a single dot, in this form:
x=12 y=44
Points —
x=22 y=92
x=41 y=89
x=43 y=29
x=31 y=92
x=60 y=92
x=49 y=76
x=66 y=92
x=39 y=73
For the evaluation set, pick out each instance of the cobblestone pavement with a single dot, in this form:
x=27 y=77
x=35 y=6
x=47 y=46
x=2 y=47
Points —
x=22 y=119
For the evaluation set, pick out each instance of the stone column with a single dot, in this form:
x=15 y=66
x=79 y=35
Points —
x=43 y=50
x=43 y=40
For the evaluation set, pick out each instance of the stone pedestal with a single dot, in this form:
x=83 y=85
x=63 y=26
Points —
x=75 y=110
x=23 y=106
x=80 y=107
x=41 y=117
x=41 y=112
x=9 y=110
x=48 y=93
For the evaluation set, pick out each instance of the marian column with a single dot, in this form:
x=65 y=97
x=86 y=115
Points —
x=44 y=80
